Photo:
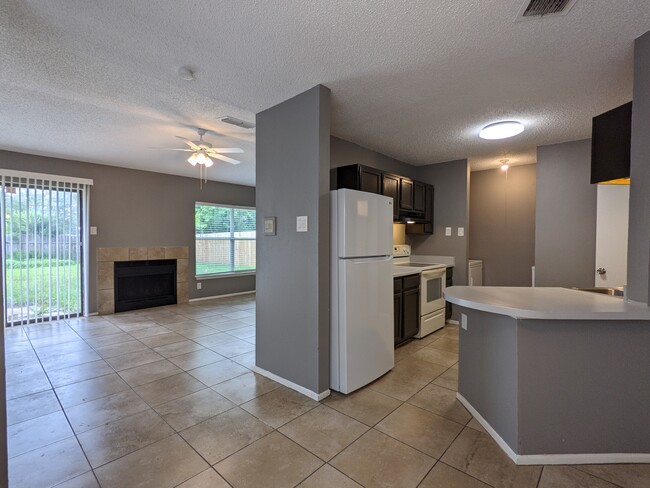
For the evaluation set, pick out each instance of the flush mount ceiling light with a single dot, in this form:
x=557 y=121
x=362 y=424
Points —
x=501 y=130
x=504 y=164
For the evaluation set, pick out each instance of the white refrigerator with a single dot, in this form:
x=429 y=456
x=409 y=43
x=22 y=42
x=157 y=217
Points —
x=362 y=330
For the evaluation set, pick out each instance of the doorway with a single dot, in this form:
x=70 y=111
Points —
x=43 y=247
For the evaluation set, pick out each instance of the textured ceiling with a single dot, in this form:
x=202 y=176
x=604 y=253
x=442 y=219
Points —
x=97 y=81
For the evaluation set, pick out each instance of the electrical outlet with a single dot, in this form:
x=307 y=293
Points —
x=463 y=321
x=198 y=285
x=93 y=230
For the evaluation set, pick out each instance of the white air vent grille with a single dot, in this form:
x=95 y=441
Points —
x=238 y=122
x=543 y=8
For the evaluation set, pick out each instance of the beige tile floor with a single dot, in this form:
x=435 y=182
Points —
x=166 y=397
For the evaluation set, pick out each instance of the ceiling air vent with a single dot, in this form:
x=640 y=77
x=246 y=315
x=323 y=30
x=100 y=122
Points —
x=542 y=8
x=238 y=122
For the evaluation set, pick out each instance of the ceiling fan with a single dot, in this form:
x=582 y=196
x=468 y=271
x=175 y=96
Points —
x=203 y=151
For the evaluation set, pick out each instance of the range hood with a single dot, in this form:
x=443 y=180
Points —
x=404 y=219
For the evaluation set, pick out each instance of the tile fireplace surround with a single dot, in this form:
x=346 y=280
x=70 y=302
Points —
x=107 y=256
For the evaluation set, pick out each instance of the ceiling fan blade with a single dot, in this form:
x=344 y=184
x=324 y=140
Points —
x=189 y=143
x=225 y=158
x=172 y=149
x=228 y=150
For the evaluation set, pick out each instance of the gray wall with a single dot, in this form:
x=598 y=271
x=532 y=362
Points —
x=141 y=208
x=544 y=386
x=565 y=217
x=343 y=153
x=502 y=219
x=583 y=386
x=451 y=209
x=293 y=163
x=487 y=370
x=638 y=252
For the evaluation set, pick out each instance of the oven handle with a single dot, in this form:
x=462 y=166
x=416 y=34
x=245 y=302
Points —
x=433 y=273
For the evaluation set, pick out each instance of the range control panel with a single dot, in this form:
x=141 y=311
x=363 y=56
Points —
x=401 y=250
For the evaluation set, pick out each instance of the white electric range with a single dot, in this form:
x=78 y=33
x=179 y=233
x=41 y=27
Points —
x=432 y=287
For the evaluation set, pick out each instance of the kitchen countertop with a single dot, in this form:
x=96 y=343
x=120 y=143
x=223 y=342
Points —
x=546 y=303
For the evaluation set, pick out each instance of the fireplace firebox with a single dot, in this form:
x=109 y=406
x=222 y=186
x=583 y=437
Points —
x=144 y=284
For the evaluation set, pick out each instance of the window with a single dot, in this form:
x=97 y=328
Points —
x=225 y=239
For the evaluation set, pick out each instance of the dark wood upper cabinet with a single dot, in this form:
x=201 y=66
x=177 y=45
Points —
x=428 y=209
x=390 y=188
x=419 y=197
x=369 y=180
x=358 y=177
x=406 y=194
x=411 y=199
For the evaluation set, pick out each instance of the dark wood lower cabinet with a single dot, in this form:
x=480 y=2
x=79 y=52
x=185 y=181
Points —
x=450 y=282
x=407 y=307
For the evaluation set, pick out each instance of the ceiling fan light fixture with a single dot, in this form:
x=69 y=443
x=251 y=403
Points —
x=200 y=157
x=192 y=159
x=208 y=162
x=501 y=130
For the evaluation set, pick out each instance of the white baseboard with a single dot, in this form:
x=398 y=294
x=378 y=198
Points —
x=290 y=384
x=535 y=459
x=493 y=433
x=222 y=296
x=452 y=322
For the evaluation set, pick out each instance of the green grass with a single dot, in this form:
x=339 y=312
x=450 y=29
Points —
x=40 y=287
x=202 y=269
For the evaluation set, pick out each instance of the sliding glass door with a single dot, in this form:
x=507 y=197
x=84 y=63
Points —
x=42 y=248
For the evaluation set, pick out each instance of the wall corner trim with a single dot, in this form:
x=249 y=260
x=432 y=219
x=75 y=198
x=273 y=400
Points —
x=290 y=384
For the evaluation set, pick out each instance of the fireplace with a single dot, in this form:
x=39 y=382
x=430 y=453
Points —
x=144 y=284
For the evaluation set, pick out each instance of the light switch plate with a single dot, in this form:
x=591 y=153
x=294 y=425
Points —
x=447 y=231
x=198 y=285
x=461 y=231
x=463 y=321
x=93 y=230
x=301 y=223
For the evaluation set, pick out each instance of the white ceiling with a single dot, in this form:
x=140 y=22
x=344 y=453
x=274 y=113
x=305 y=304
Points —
x=97 y=81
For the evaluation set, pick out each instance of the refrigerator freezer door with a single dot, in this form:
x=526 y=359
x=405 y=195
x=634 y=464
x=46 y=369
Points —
x=365 y=319
x=364 y=224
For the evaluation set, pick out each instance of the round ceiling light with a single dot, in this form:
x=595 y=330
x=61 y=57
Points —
x=501 y=130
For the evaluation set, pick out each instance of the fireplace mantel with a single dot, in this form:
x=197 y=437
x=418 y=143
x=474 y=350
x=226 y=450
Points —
x=107 y=256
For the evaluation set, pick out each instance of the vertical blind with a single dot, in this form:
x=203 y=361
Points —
x=225 y=239
x=44 y=228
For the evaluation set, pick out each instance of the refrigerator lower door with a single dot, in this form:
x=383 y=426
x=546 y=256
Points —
x=365 y=322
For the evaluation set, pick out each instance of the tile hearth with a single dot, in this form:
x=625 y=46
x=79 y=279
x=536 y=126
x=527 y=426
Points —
x=108 y=256
x=166 y=397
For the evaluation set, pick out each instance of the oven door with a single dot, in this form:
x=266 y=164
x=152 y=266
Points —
x=432 y=288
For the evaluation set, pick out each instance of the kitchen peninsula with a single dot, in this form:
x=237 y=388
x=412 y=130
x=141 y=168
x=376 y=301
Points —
x=555 y=375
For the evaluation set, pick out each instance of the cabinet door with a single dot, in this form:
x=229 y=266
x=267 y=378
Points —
x=411 y=313
x=390 y=188
x=369 y=180
x=450 y=282
x=397 y=304
x=428 y=209
x=406 y=194
x=419 y=197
